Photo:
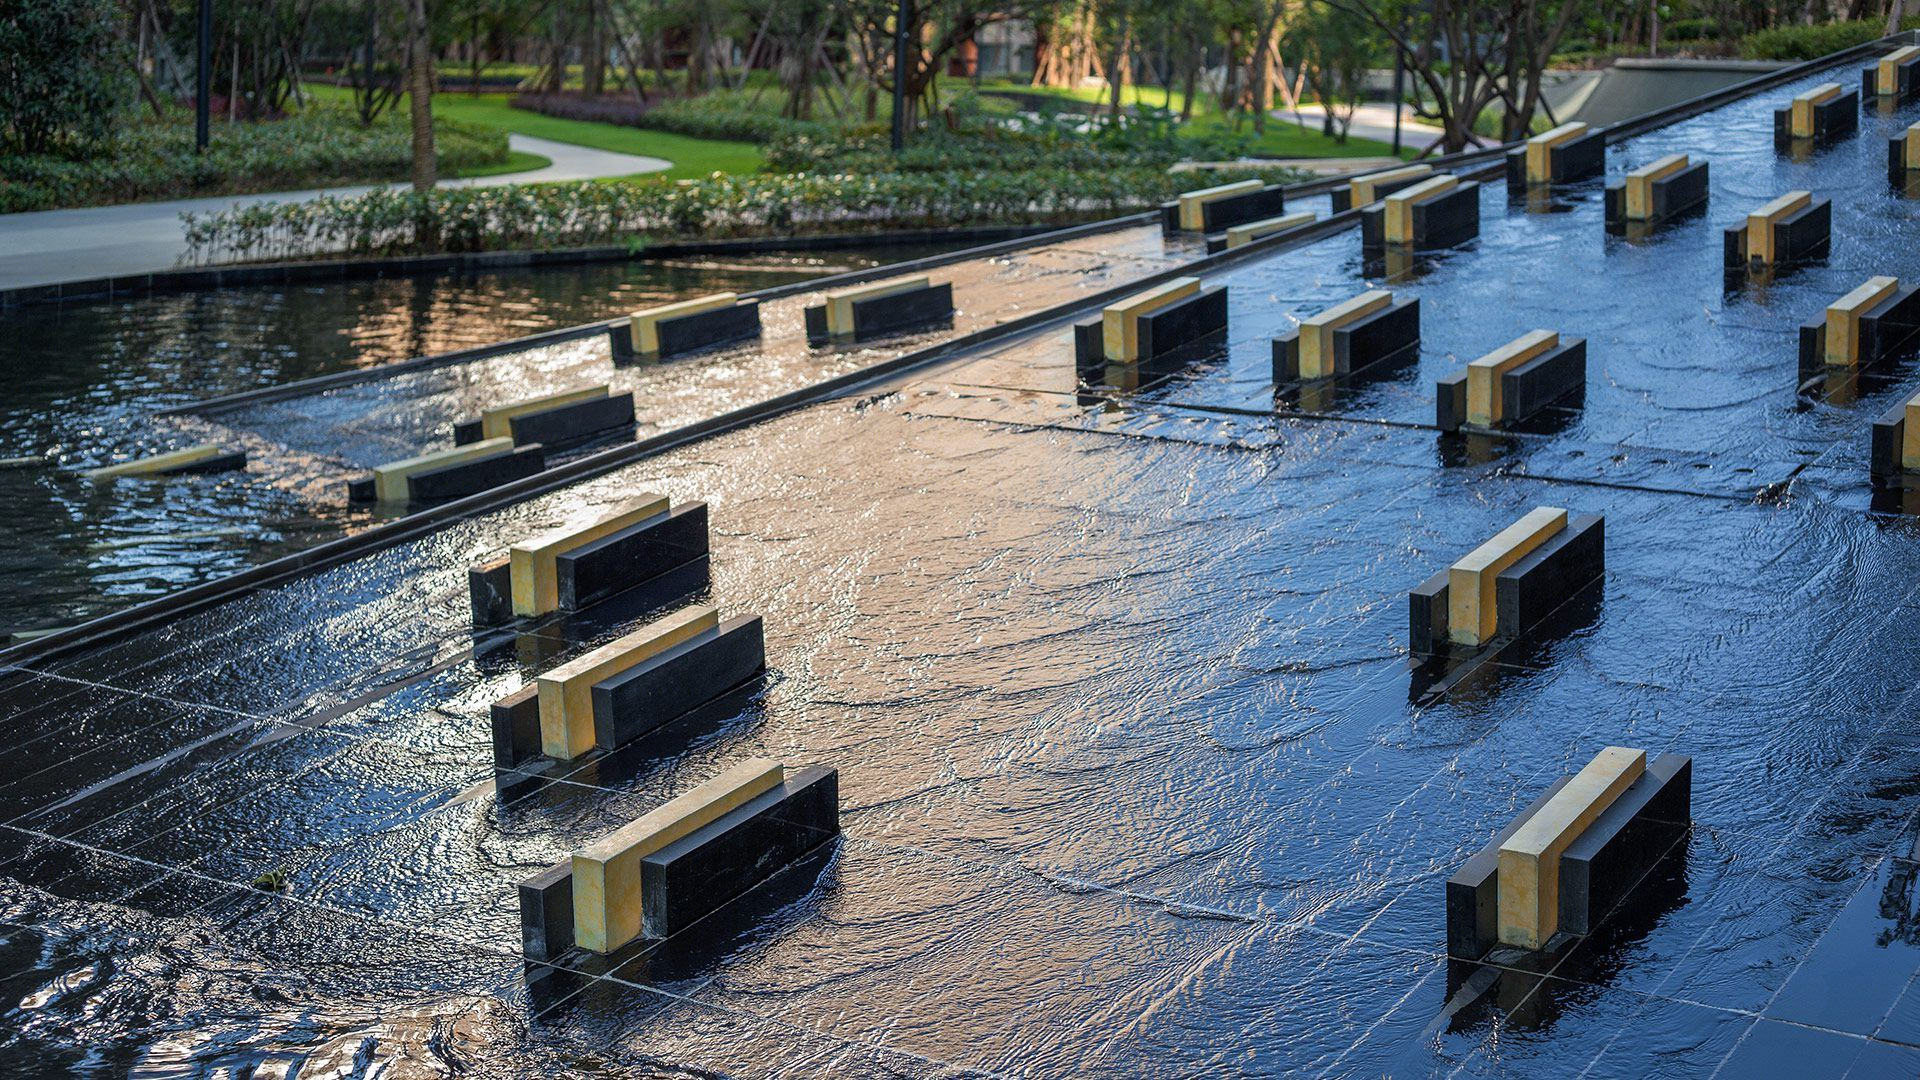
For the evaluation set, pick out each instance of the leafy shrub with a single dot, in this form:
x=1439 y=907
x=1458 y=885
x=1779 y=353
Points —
x=1813 y=42
x=722 y=114
x=317 y=147
x=404 y=222
x=61 y=80
x=1684 y=30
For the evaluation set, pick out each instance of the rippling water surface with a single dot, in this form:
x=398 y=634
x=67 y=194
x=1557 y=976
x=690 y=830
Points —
x=1136 y=778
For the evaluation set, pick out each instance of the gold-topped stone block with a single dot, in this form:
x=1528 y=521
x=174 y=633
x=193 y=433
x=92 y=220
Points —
x=1640 y=183
x=535 y=584
x=1316 y=332
x=1472 y=612
x=497 y=422
x=1529 y=872
x=1540 y=150
x=1398 y=207
x=645 y=325
x=565 y=693
x=1120 y=322
x=1484 y=405
x=1193 y=219
x=1800 y=126
x=1760 y=223
x=390 y=480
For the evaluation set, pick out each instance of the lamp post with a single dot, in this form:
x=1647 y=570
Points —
x=202 y=108
x=900 y=20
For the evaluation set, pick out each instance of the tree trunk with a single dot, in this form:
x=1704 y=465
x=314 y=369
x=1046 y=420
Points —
x=593 y=61
x=420 y=80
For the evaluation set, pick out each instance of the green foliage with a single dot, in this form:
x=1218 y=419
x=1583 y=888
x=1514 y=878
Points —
x=317 y=147
x=404 y=222
x=63 y=74
x=1813 y=42
x=724 y=116
x=1681 y=31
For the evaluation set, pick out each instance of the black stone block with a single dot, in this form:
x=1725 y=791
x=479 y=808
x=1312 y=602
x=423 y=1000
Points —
x=631 y=557
x=467 y=431
x=642 y=603
x=1805 y=235
x=1734 y=249
x=472 y=477
x=709 y=329
x=1222 y=214
x=1450 y=402
x=490 y=592
x=1286 y=358
x=360 y=489
x=816 y=320
x=1613 y=854
x=225 y=461
x=1897 y=160
x=1553 y=376
x=1813 y=344
x=546 y=912
x=1427 y=616
x=690 y=879
x=1549 y=576
x=620 y=343
x=1473 y=895
x=1889 y=437
x=1888 y=330
x=1170 y=217
x=1517 y=169
x=900 y=312
x=1577 y=159
x=1342 y=199
x=516 y=727
x=573 y=423
x=1440 y=222
x=1614 y=198
x=1183 y=324
x=1831 y=120
x=1089 y=345
x=685 y=677
x=1683 y=191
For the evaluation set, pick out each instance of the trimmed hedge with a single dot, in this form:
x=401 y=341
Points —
x=1814 y=42
x=320 y=146
x=713 y=116
x=404 y=222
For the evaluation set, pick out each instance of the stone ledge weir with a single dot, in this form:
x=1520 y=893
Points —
x=1819 y=115
x=1572 y=855
x=204 y=458
x=1512 y=383
x=1903 y=156
x=1896 y=76
x=637 y=682
x=683 y=861
x=1871 y=325
x=1896 y=442
x=864 y=312
x=567 y=568
x=1656 y=193
x=689 y=326
x=1792 y=228
x=1509 y=584
x=1217 y=209
x=560 y=419
x=449 y=473
x=1240 y=236
x=1438 y=212
x=1573 y=151
x=1372 y=187
x=1172 y=318
x=1348 y=337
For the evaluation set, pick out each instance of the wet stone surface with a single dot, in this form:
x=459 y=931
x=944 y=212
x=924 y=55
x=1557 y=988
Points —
x=1136 y=777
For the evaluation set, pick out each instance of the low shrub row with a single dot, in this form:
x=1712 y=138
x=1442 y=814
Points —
x=718 y=115
x=1813 y=42
x=403 y=222
x=321 y=146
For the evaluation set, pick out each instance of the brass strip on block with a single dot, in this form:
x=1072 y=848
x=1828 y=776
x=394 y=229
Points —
x=606 y=873
x=1191 y=217
x=1910 y=436
x=145 y=466
x=1398 y=207
x=1472 y=615
x=1484 y=404
x=1364 y=188
x=531 y=563
x=1911 y=157
x=645 y=325
x=497 y=422
x=840 y=301
x=1540 y=150
x=1316 y=333
x=1801 y=126
x=1528 y=880
x=1760 y=223
x=390 y=480
x=1843 y=319
x=1242 y=235
x=1640 y=184
x=566 y=692
x=1120 y=323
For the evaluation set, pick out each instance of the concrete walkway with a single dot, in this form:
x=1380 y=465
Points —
x=51 y=246
x=1371 y=121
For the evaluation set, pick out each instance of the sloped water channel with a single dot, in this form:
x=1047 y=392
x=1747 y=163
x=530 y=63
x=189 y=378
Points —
x=1136 y=778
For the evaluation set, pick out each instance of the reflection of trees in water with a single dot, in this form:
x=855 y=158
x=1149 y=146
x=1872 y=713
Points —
x=1896 y=904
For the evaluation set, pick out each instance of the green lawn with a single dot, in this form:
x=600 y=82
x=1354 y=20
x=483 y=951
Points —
x=517 y=161
x=691 y=157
